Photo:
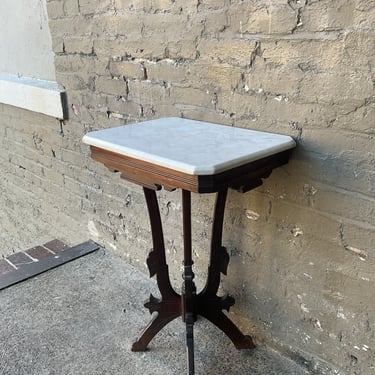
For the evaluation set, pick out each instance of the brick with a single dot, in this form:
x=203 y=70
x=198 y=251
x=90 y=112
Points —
x=140 y=91
x=56 y=246
x=58 y=45
x=277 y=82
x=73 y=81
x=342 y=174
x=274 y=112
x=111 y=86
x=136 y=47
x=38 y=252
x=124 y=25
x=181 y=51
x=71 y=157
x=165 y=25
x=55 y=9
x=169 y=71
x=163 y=110
x=82 y=65
x=147 y=6
x=19 y=259
x=5 y=267
x=309 y=55
x=324 y=15
x=358 y=49
x=282 y=19
x=33 y=158
x=215 y=22
x=354 y=117
x=235 y=52
x=128 y=69
x=140 y=42
x=257 y=18
x=85 y=178
x=203 y=114
x=192 y=96
x=364 y=14
x=338 y=87
x=77 y=25
x=93 y=100
x=344 y=204
x=71 y=7
x=139 y=7
x=125 y=107
x=78 y=45
x=288 y=216
x=22 y=162
x=357 y=241
x=109 y=48
x=87 y=7
x=213 y=4
x=202 y=74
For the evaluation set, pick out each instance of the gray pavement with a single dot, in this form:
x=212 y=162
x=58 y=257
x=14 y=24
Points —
x=82 y=318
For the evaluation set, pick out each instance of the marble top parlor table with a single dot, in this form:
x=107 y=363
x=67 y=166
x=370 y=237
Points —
x=197 y=157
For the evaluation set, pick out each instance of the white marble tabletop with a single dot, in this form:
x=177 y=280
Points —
x=189 y=146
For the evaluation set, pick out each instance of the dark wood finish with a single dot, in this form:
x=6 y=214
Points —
x=153 y=176
x=189 y=304
x=145 y=174
x=168 y=307
x=208 y=304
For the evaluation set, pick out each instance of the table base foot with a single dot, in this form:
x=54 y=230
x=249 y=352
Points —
x=159 y=322
x=221 y=321
x=189 y=305
x=218 y=318
x=247 y=343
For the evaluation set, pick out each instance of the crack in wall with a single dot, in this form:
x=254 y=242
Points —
x=351 y=249
x=256 y=52
x=298 y=6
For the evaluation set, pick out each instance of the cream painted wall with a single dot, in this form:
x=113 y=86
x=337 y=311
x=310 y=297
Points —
x=25 y=39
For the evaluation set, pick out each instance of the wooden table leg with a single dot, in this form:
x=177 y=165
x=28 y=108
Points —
x=208 y=304
x=168 y=307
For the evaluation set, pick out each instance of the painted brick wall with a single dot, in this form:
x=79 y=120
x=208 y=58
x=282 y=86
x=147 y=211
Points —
x=302 y=245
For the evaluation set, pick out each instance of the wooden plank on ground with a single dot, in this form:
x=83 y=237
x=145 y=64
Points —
x=48 y=263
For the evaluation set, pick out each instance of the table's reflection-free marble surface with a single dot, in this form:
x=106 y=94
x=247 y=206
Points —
x=189 y=146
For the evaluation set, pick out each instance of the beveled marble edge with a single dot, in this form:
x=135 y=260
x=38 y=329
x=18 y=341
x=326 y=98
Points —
x=189 y=168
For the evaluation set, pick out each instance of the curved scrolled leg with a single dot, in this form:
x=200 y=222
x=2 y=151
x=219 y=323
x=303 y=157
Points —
x=209 y=305
x=219 y=257
x=168 y=306
x=159 y=322
x=239 y=340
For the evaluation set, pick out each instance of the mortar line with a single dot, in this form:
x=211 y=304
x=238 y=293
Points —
x=7 y=260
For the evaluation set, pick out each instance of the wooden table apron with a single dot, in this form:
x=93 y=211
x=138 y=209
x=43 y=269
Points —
x=189 y=304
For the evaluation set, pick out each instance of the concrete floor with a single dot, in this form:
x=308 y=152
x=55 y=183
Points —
x=82 y=318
